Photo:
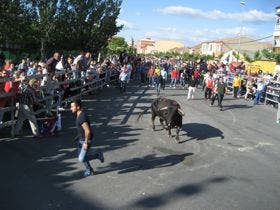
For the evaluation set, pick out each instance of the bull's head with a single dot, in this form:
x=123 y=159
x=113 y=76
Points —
x=180 y=111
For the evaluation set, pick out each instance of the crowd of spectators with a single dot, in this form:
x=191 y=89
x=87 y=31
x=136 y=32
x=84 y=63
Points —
x=58 y=78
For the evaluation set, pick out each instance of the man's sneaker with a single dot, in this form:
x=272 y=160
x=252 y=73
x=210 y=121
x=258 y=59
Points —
x=88 y=173
x=101 y=157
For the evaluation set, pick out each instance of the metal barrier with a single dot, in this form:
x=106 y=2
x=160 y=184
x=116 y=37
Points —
x=82 y=89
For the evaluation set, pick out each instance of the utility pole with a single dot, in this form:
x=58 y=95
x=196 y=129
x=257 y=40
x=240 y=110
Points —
x=242 y=3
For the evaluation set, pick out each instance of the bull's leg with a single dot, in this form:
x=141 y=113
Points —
x=166 y=126
x=161 y=122
x=153 y=121
x=169 y=131
x=177 y=133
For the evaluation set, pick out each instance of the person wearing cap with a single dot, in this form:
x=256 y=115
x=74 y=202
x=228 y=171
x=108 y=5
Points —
x=27 y=99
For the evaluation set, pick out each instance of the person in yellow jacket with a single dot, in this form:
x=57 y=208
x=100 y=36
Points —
x=236 y=85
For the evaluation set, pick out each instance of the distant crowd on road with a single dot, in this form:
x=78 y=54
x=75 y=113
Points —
x=25 y=83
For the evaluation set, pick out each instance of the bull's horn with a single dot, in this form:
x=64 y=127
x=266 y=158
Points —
x=163 y=108
x=181 y=112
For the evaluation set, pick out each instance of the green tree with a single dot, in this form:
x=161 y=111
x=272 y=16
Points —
x=277 y=58
x=247 y=57
x=117 y=45
x=267 y=54
x=257 y=55
x=89 y=24
x=45 y=13
x=15 y=28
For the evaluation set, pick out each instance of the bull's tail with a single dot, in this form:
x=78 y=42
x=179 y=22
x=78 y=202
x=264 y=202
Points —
x=141 y=113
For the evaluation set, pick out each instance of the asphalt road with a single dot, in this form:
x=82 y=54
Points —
x=226 y=159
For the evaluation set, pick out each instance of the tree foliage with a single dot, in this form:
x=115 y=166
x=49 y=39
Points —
x=117 y=45
x=63 y=25
x=268 y=54
x=257 y=55
x=14 y=25
x=247 y=58
x=277 y=58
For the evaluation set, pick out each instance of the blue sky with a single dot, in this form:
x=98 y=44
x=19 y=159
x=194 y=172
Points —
x=192 y=22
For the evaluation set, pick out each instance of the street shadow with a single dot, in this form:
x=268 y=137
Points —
x=181 y=192
x=236 y=106
x=199 y=132
x=145 y=163
x=38 y=173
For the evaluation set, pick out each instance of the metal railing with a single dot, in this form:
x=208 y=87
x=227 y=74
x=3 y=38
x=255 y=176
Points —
x=83 y=88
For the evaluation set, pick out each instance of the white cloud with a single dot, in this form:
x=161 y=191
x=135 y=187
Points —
x=198 y=35
x=138 y=13
x=126 y=24
x=249 y=16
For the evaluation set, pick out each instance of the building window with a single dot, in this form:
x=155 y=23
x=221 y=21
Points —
x=210 y=48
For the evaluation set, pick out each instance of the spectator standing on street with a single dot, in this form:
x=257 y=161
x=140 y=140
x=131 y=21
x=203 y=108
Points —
x=196 y=75
x=214 y=92
x=259 y=93
x=123 y=79
x=174 y=77
x=222 y=90
x=163 y=73
x=85 y=138
x=151 y=73
x=27 y=99
x=208 y=87
x=249 y=87
x=157 y=81
x=192 y=85
x=236 y=85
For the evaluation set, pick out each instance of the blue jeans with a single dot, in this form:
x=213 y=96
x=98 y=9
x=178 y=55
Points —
x=85 y=156
x=173 y=82
x=157 y=88
x=258 y=97
x=122 y=86
x=151 y=81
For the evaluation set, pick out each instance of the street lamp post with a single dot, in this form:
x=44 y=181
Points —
x=242 y=3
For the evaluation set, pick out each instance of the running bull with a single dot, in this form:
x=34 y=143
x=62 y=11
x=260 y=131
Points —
x=169 y=112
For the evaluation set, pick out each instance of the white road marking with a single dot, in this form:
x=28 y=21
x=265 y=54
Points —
x=233 y=117
x=243 y=149
x=260 y=144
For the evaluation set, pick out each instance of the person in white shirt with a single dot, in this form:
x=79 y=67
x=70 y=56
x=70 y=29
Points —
x=260 y=89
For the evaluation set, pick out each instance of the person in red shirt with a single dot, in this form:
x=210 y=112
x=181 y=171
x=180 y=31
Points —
x=174 y=77
x=208 y=87
x=196 y=75
x=5 y=87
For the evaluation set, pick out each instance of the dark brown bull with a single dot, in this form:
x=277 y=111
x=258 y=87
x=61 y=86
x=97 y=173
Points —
x=169 y=112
